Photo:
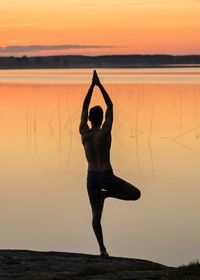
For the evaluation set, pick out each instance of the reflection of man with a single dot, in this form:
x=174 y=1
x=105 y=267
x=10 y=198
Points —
x=101 y=182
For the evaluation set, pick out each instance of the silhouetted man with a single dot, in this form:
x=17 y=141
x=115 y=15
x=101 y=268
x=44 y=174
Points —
x=101 y=182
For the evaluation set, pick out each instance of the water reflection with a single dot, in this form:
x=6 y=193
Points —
x=115 y=76
x=156 y=145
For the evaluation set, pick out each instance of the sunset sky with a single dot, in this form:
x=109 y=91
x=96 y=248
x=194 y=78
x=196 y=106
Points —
x=94 y=27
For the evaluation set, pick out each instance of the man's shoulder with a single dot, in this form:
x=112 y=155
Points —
x=86 y=133
x=83 y=129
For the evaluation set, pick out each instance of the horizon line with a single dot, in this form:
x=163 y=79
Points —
x=100 y=55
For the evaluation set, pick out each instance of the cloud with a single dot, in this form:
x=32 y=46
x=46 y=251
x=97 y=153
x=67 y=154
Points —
x=35 y=48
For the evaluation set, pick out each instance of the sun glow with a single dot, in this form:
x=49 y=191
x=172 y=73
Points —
x=148 y=26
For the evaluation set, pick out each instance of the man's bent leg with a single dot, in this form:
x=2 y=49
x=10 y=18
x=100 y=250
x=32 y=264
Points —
x=96 y=223
x=122 y=190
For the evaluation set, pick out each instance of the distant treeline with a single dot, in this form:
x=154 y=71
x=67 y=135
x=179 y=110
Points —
x=105 y=61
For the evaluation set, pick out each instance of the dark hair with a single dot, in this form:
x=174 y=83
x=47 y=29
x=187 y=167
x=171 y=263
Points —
x=96 y=115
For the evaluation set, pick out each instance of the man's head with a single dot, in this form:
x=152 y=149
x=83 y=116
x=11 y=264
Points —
x=96 y=115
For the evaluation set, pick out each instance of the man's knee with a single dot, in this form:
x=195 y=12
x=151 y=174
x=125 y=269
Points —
x=96 y=220
x=135 y=194
x=96 y=213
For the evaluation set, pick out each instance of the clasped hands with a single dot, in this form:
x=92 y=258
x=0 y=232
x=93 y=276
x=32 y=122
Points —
x=95 y=79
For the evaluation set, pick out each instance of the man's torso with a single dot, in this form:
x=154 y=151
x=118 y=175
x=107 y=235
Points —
x=97 y=149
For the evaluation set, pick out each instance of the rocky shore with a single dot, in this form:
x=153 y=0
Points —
x=35 y=265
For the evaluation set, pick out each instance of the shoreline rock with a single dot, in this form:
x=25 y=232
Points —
x=29 y=265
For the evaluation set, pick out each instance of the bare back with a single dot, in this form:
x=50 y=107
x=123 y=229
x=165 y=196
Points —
x=97 y=143
x=97 y=139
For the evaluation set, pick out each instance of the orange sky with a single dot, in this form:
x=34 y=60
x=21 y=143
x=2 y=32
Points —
x=100 y=27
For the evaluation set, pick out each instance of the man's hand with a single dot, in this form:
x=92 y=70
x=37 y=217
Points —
x=96 y=78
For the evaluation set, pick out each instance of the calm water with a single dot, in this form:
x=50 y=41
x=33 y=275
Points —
x=156 y=146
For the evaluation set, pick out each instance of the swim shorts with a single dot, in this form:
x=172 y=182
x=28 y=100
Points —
x=103 y=180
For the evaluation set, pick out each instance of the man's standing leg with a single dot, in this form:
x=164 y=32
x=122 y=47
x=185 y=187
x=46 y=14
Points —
x=97 y=208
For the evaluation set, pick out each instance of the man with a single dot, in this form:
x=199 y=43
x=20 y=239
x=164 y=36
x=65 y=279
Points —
x=101 y=182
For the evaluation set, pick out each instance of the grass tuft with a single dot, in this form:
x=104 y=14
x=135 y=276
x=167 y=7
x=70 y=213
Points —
x=185 y=272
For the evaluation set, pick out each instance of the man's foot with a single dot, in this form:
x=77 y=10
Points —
x=104 y=253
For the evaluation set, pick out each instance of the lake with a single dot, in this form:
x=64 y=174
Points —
x=155 y=146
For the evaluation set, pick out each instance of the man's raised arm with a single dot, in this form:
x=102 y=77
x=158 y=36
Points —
x=86 y=103
x=108 y=101
x=103 y=91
